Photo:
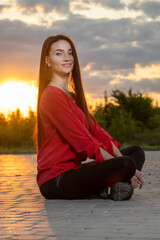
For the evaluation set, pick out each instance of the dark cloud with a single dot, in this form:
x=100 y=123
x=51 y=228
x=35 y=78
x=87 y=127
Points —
x=98 y=85
x=150 y=8
x=149 y=85
x=19 y=33
x=20 y=48
x=114 y=45
x=115 y=4
x=61 y=6
x=95 y=84
x=144 y=85
x=2 y=6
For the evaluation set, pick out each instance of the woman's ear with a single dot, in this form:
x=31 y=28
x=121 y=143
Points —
x=47 y=61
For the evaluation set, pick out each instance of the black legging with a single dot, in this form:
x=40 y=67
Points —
x=93 y=178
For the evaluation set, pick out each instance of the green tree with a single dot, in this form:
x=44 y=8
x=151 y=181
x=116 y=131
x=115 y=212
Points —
x=3 y=121
x=131 y=119
x=139 y=106
x=99 y=115
x=122 y=126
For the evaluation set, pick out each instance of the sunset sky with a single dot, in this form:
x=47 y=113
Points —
x=118 y=44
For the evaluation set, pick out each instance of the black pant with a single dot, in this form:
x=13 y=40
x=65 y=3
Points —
x=92 y=178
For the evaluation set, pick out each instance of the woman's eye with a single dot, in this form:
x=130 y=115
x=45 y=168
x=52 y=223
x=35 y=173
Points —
x=58 y=54
x=70 y=53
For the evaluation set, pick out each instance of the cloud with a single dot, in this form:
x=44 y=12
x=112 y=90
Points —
x=114 y=47
x=150 y=8
x=7 y=4
x=61 y=6
x=115 y=4
x=114 y=44
x=20 y=49
x=2 y=7
x=150 y=85
x=144 y=86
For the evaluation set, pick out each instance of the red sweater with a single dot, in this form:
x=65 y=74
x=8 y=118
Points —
x=65 y=137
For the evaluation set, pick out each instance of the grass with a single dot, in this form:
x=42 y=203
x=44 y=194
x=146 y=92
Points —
x=144 y=147
x=17 y=150
x=148 y=140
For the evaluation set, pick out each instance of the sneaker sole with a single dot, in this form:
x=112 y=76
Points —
x=121 y=191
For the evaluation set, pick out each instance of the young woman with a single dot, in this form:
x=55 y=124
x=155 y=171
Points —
x=68 y=135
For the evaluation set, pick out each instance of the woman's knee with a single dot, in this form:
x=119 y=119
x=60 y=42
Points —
x=129 y=165
x=140 y=153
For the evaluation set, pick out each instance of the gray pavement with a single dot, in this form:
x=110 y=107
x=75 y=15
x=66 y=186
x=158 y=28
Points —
x=25 y=214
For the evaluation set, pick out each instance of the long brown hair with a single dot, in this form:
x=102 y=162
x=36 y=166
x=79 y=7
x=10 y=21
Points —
x=44 y=76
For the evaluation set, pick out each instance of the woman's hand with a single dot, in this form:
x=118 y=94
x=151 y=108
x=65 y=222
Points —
x=137 y=180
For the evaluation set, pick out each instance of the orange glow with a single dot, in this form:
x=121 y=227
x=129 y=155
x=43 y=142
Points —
x=88 y=66
x=93 y=101
x=98 y=11
x=37 y=15
x=147 y=72
x=150 y=71
x=14 y=94
x=156 y=98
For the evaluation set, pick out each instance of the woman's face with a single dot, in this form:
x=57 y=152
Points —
x=60 y=58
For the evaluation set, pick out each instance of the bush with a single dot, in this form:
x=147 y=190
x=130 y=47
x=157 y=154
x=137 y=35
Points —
x=131 y=120
x=16 y=131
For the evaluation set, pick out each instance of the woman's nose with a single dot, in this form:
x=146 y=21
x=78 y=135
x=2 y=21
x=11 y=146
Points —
x=66 y=57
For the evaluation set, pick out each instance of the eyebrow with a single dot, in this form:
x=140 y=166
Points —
x=61 y=50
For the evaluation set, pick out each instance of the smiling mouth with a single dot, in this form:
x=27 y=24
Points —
x=67 y=65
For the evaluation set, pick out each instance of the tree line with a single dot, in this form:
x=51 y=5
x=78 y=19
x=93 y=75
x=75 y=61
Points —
x=16 y=132
x=130 y=119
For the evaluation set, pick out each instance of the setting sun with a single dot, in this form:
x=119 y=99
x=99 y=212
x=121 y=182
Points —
x=14 y=94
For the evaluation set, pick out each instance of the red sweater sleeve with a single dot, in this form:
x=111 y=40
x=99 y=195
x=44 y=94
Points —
x=55 y=106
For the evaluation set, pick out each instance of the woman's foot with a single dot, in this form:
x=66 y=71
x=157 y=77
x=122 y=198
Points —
x=120 y=191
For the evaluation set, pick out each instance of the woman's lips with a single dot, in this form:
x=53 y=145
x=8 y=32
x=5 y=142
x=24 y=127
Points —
x=67 y=65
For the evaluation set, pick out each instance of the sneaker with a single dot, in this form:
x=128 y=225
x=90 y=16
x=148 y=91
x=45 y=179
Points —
x=120 y=191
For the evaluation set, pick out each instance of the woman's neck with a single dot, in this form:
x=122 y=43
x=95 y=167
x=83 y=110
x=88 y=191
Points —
x=61 y=83
x=59 y=80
